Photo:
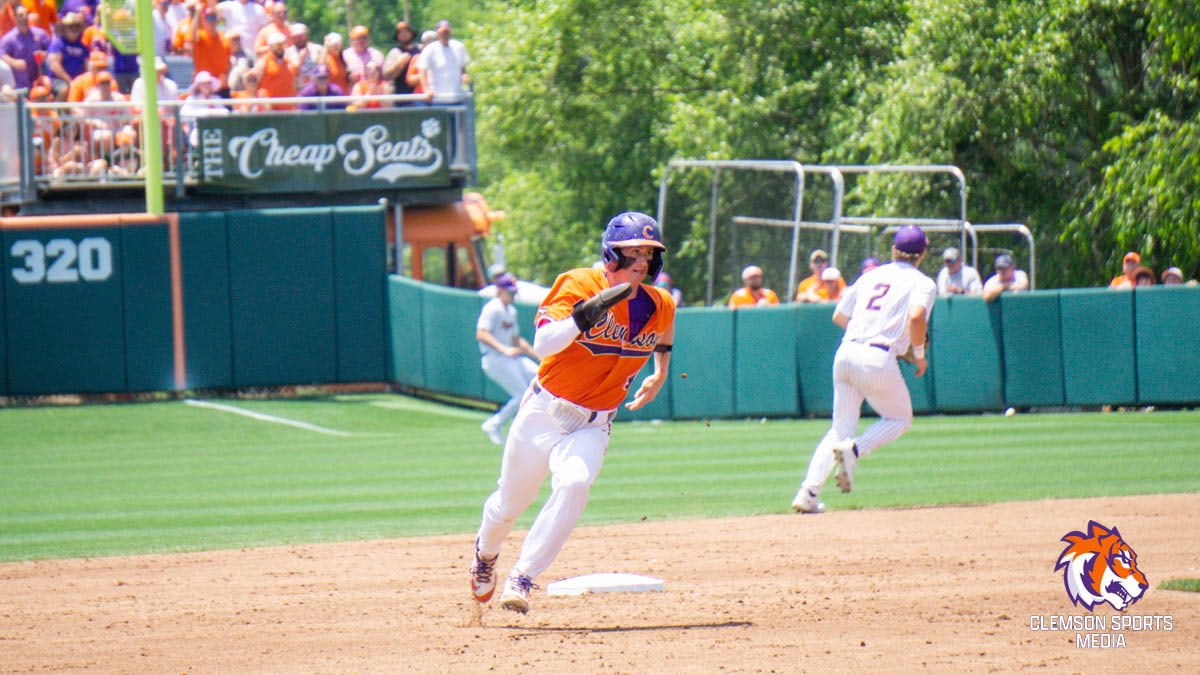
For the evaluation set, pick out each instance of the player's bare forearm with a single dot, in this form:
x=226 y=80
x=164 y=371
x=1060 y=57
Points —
x=653 y=383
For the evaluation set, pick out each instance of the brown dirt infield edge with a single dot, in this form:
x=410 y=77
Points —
x=943 y=589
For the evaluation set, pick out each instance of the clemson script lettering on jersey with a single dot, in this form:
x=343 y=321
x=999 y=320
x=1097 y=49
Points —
x=1100 y=567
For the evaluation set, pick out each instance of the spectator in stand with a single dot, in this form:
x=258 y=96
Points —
x=102 y=122
x=277 y=24
x=319 y=87
x=663 y=281
x=163 y=29
x=238 y=63
x=370 y=86
x=176 y=12
x=360 y=54
x=868 y=264
x=201 y=100
x=812 y=289
x=304 y=56
x=248 y=89
x=209 y=49
x=1143 y=276
x=43 y=14
x=444 y=66
x=832 y=282
x=414 y=77
x=23 y=49
x=1129 y=265
x=1007 y=279
x=752 y=293
x=246 y=17
x=275 y=76
x=335 y=61
x=123 y=66
x=97 y=62
x=126 y=158
x=8 y=16
x=956 y=277
x=395 y=64
x=67 y=56
x=1172 y=276
x=164 y=86
x=46 y=128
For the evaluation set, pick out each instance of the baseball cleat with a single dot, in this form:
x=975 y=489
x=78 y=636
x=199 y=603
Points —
x=483 y=576
x=806 y=502
x=493 y=433
x=516 y=593
x=846 y=456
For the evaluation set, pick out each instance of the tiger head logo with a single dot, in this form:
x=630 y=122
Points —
x=1100 y=567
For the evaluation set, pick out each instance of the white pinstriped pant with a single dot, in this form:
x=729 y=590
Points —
x=513 y=374
x=538 y=445
x=861 y=372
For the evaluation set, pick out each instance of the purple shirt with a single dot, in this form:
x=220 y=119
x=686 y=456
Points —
x=310 y=90
x=21 y=46
x=74 y=55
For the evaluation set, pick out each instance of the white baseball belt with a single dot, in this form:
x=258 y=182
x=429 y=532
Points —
x=569 y=416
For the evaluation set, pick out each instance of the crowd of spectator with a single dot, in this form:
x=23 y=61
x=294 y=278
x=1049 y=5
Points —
x=241 y=51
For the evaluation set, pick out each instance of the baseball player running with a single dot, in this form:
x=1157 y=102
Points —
x=885 y=314
x=503 y=353
x=594 y=332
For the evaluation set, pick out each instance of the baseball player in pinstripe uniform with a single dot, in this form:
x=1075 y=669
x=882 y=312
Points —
x=594 y=332
x=503 y=353
x=885 y=315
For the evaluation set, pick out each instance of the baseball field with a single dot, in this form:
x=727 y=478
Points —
x=333 y=533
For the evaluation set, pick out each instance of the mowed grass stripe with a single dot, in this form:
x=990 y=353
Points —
x=112 y=480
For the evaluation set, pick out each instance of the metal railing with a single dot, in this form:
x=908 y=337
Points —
x=49 y=147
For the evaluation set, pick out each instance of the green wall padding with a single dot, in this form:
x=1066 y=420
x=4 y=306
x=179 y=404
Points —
x=406 y=336
x=282 y=291
x=204 y=244
x=1097 y=347
x=146 y=274
x=764 y=352
x=1168 y=342
x=965 y=355
x=3 y=332
x=1032 y=349
x=360 y=281
x=451 y=357
x=817 y=339
x=704 y=351
x=68 y=336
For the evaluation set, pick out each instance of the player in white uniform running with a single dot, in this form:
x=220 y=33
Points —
x=504 y=354
x=884 y=313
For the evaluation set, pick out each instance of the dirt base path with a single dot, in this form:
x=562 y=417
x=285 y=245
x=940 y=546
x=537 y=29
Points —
x=949 y=589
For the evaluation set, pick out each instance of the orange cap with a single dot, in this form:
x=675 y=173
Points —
x=359 y=31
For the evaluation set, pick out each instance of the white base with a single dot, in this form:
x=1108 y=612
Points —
x=604 y=582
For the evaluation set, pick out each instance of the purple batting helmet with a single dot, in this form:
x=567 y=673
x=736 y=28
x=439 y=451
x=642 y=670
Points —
x=910 y=239
x=632 y=229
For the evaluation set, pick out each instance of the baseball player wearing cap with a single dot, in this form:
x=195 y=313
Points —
x=752 y=293
x=883 y=314
x=507 y=358
x=1006 y=279
x=595 y=330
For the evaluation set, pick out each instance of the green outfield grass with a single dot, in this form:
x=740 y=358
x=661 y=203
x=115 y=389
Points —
x=156 y=477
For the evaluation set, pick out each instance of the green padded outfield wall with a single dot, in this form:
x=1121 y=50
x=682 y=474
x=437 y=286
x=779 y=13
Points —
x=360 y=292
x=65 y=312
x=764 y=372
x=3 y=329
x=206 y=314
x=966 y=361
x=146 y=297
x=817 y=338
x=450 y=353
x=703 y=350
x=1098 y=361
x=282 y=298
x=1032 y=339
x=406 y=334
x=1168 y=342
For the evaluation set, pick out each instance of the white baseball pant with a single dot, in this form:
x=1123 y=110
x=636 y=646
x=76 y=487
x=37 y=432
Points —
x=860 y=372
x=513 y=375
x=540 y=442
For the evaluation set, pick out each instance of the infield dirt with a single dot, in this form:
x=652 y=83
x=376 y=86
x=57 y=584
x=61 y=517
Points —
x=944 y=589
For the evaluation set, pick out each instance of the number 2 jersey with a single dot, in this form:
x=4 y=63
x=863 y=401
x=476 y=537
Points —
x=596 y=370
x=878 y=302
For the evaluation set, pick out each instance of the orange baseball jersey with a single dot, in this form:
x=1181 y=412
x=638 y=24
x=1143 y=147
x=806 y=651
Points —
x=597 y=369
x=814 y=282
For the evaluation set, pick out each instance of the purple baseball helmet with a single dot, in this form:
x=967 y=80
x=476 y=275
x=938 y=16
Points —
x=910 y=239
x=632 y=229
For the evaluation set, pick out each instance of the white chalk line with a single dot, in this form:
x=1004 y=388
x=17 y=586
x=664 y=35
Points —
x=263 y=417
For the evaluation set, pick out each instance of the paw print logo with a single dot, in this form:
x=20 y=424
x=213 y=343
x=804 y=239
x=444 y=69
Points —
x=430 y=128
